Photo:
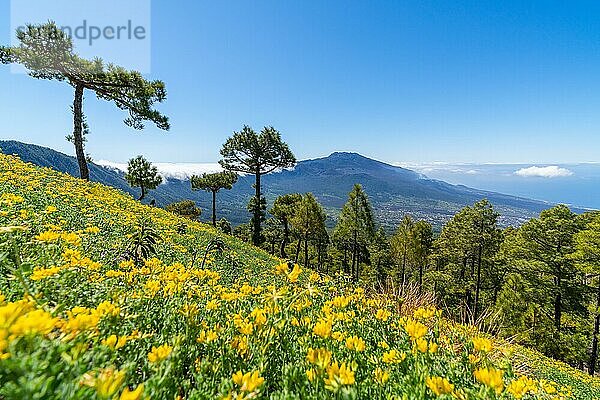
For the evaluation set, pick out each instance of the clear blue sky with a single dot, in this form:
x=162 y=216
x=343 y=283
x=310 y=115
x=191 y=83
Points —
x=477 y=81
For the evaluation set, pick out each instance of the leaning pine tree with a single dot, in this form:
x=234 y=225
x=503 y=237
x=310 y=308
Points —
x=47 y=53
x=257 y=154
x=213 y=183
x=141 y=173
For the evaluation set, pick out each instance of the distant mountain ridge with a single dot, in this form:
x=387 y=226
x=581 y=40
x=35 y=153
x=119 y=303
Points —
x=394 y=191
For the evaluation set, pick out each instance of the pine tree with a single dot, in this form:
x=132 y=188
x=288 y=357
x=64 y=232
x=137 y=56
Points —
x=546 y=243
x=403 y=246
x=542 y=252
x=141 y=173
x=284 y=209
x=258 y=154
x=185 y=208
x=423 y=242
x=309 y=222
x=587 y=254
x=356 y=223
x=47 y=53
x=380 y=257
x=273 y=234
x=213 y=183
x=466 y=249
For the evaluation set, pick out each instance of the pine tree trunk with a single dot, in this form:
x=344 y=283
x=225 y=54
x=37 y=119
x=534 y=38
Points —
x=403 y=273
x=298 y=250
x=594 y=355
x=478 y=283
x=306 y=252
x=286 y=235
x=558 y=301
x=84 y=172
x=354 y=255
x=214 y=208
x=143 y=194
x=319 y=257
x=257 y=212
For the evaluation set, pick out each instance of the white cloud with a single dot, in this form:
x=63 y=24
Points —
x=179 y=171
x=440 y=166
x=551 y=171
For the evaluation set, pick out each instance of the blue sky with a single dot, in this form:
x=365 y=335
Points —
x=400 y=81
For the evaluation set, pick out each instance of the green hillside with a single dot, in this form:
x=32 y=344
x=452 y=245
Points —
x=102 y=297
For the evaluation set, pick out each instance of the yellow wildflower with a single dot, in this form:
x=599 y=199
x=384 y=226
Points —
x=71 y=238
x=548 y=387
x=36 y=321
x=319 y=357
x=338 y=376
x=294 y=274
x=207 y=336
x=425 y=313
x=439 y=385
x=260 y=317
x=421 y=345
x=106 y=382
x=381 y=376
x=482 y=344
x=106 y=308
x=212 y=305
x=248 y=382
x=42 y=273
x=322 y=328
x=47 y=237
x=355 y=343
x=382 y=315
x=415 y=329
x=281 y=268
x=159 y=353
x=520 y=387
x=393 y=357
x=240 y=343
x=311 y=374
x=490 y=377
x=244 y=326
x=341 y=301
x=115 y=342
x=135 y=394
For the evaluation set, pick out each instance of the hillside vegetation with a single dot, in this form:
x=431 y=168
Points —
x=102 y=297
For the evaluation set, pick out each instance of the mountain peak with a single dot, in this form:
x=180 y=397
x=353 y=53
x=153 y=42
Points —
x=344 y=154
x=347 y=155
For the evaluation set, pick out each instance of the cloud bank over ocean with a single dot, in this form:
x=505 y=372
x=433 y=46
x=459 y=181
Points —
x=181 y=171
x=550 y=171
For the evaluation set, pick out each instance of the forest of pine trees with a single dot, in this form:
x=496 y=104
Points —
x=537 y=284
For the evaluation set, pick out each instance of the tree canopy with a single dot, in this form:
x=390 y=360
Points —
x=47 y=52
x=213 y=182
x=141 y=173
x=185 y=208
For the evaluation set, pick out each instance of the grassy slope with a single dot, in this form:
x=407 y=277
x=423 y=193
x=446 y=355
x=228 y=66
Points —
x=165 y=303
